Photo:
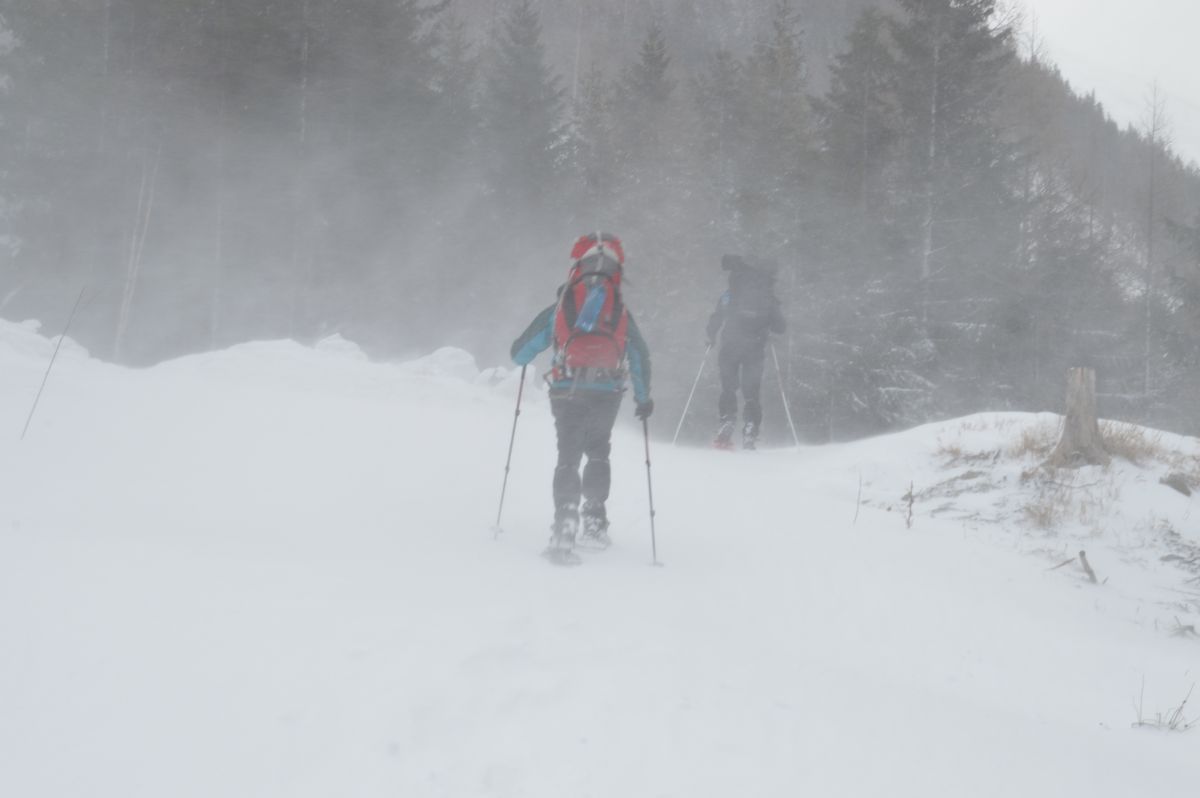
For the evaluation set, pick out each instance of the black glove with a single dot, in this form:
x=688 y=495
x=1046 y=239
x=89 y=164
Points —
x=644 y=409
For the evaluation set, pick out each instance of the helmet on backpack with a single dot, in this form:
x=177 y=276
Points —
x=598 y=252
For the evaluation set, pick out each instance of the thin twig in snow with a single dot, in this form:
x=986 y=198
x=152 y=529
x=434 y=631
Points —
x=1086 y=567
x=858 y=501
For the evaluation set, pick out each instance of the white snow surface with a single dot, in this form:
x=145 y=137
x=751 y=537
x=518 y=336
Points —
x=270 y=571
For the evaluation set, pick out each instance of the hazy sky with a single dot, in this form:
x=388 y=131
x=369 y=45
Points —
x=1120 y=48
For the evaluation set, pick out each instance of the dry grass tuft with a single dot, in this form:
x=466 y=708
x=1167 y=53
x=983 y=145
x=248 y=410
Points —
x=955 y=454
x=1062 y=496
x=1036 y=442
x=952 y=452
x=1136 y=444
x=1171 y=720
x=1045 y=512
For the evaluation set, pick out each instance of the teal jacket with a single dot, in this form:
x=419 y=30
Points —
x=539 y=336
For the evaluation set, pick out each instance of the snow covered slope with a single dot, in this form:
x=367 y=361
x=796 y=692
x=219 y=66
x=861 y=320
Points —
x=268 y=571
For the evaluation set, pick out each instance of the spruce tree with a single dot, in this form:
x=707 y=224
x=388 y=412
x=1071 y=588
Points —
x=644 y=95
x=956 y=171
x=778 y=130
x=523 y=139
x=859 y=125
x=723 y=137
x=9 y=241
x=593 y=144
x=657 y=195
x=950 y=60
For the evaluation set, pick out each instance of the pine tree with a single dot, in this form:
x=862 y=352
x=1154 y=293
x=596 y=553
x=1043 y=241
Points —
x=455 y=77
x=859 y=124
x=778 y=125
x=644 y=97
x=9 y=240
x=1184 y=319
x=646 y=131
x=594 y=154
x=957 y=172
x=721 y=113
x=523 y=138
x=657 y=192
x=950 y=59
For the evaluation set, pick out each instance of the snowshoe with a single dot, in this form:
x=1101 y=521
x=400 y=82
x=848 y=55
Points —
x=724 y=439
x=594 y=534
x=750 y=436
x=563 y=557
x=561 y=548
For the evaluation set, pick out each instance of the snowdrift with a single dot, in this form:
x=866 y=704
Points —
x=268 y=571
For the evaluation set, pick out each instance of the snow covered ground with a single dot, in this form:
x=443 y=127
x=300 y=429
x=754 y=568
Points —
x=268 y=571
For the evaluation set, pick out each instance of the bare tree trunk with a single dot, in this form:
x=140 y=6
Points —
x=137 y=245
x=927 y=221
x=1080 y=443
x=299 y=219
x=106 y=101
x=1156 y=134
x=214 y=311
x=864 y=157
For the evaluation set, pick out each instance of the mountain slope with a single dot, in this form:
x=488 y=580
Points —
x=269 y=571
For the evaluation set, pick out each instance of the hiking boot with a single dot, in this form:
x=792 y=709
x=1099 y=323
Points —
x=594 y=533
x=561 y=548
x=566 y=524
x=750 y=436
x=724 y=439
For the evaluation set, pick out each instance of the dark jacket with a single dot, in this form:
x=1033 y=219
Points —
x=539 y=336
x=747 y=312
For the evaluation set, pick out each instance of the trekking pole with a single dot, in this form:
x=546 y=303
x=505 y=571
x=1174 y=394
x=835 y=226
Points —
x=53 y=357
x=650 y=489
x=496 y=530
x=783 y=393
x=699 y=374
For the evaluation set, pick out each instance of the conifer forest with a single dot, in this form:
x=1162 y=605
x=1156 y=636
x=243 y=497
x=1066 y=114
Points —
x=953 y=224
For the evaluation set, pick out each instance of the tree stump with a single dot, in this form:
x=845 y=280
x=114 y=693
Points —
x=1080 y=443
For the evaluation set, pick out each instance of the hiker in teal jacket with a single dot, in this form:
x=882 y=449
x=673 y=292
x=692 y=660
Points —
x=597 y=346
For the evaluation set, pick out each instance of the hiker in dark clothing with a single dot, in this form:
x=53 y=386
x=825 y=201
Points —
x=746 y=314
x=596 y=345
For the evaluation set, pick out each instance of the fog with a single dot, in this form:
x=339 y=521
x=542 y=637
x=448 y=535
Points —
x=953 y=225
x=1121 y=51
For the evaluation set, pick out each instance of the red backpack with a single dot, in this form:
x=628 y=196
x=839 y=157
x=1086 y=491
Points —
x=590 y=322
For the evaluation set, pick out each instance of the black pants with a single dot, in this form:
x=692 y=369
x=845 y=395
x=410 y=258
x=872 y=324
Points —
x=584 y=421
x=741 y=365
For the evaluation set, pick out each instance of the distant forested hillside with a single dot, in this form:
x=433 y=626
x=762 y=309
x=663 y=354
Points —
x=952 y=225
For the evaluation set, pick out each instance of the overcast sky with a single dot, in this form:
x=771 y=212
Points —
x=1120 y=48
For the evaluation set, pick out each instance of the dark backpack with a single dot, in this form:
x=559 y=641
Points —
x=590 y=323
x=751 y=301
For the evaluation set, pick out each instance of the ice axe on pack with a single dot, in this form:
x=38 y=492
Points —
x=496 y=529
